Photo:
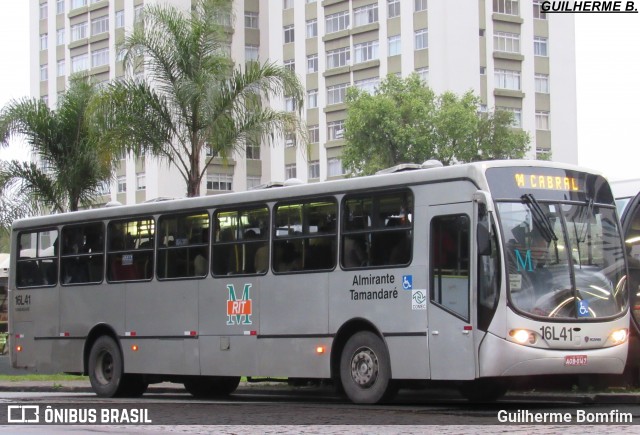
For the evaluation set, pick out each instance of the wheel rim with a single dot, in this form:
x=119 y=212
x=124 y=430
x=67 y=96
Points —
x=104 y=367
x=364 y=367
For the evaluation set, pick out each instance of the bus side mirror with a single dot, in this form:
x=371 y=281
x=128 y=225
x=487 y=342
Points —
x=483 y=233
x=483 y=236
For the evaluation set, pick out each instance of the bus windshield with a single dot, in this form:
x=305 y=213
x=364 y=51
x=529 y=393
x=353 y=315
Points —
x=564 y=260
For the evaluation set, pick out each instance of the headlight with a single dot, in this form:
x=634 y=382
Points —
x=619 y=336
x=523 y=336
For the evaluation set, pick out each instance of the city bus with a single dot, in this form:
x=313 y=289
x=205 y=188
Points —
x=627 y=196
x=471 y=275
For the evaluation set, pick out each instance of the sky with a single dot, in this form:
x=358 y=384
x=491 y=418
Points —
x=607 y=80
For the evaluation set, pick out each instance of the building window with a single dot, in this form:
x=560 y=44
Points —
x=251 y=53
x=483 y=70
x=517 y=116
x=119 y=19
x=252 y=149
x=100 y=25
x=290 y=140
x=290 y=64
x=394 y=45
x=60 y=68
x=336 y=22
x=44 y=73
x=104 y=188
x=44 y=41
x=141 y=181
x=365 y=51
x=365 y=15
x=314 y=169
x=540 y=46
x=420 y=5
x=312 y=63
x=59 y=7
x=78 y=3
x=334 y=167
x=335 y=130
x=289 y=104
x=290 y=171
x=506 y=42
x=287 y=4
x=338 y=58
x=289 y=34
x=542 y=120
x=507 y=7
x=368 y=85
x=422 y=39
x=312 y=99
x=538 y=13
x=99 y=57
x=250 y=20
x=423 y=73
x=542 y=83
x=78 y=31
x=80 y=63
x=60 y=37
x=137 y=13
x=337 y=94
x=314 y=133
x=219 y=182
x=312 y=28
x=122 y=184
x=44 y=11
x=393 y=8
x=253 y=182
x=507 y=79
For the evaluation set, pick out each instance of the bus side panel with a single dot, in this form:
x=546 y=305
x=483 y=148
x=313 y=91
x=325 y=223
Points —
x=228 y=355
x=409 y=357
x=35 y=317
x=171 y=356
x=295 y=357
x=160 y=318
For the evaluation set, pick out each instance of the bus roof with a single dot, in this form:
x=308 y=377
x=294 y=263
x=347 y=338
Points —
x=471 y=171
x=625 y=188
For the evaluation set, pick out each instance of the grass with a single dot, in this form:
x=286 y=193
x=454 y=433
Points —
x=42 y=378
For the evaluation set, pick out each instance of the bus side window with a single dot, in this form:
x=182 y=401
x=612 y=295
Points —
x=187 y=251
x=37 y=263
x=130 y=250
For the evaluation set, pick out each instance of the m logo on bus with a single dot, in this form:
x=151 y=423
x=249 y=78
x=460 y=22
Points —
x=525 y=262
x=239 y=310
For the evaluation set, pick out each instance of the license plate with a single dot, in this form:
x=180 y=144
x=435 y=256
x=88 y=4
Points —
x=575 y=360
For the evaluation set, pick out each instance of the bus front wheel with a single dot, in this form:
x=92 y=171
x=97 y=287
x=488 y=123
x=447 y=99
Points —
x=105 y=367
x=365 y=369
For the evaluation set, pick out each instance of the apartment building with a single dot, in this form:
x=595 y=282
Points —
x=509 y=52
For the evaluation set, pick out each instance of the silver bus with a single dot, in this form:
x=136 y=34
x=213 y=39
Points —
x=474 y=275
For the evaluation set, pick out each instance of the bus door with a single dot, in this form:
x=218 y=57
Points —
x=450 y=330
x=631 y=232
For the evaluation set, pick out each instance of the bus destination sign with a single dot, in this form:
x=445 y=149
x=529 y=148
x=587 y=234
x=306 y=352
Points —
x=547 y=182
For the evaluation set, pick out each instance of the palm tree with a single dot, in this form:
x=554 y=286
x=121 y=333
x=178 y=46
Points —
x=191 y=96
x=71 y=168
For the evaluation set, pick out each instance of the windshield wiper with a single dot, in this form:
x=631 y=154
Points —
x=541 y=219
x=585 y=231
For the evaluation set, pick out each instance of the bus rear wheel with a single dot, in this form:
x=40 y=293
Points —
x=212 y=386
x=365 y=369
x=106 y=367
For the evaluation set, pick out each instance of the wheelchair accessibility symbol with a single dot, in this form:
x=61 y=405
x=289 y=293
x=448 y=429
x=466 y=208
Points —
x=583 y=308
x=407 y=282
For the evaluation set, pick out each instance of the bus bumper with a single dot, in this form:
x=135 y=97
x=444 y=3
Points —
x=499 y=357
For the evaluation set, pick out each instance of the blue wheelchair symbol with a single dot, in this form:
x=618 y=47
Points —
x=583 y=308
x=407 y=282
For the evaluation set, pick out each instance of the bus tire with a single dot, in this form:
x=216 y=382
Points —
x=106 y=367
x=365 y=369
x=484 y=390
x=212 y=386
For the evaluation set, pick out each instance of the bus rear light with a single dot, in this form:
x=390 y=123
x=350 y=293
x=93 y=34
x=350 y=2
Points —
x=523 y=336
x=320 y=350
x=619 y=336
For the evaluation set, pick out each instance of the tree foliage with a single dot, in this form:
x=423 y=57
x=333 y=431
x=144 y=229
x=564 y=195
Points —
x=404 y=121
x=71 y=164
x=191 y=96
